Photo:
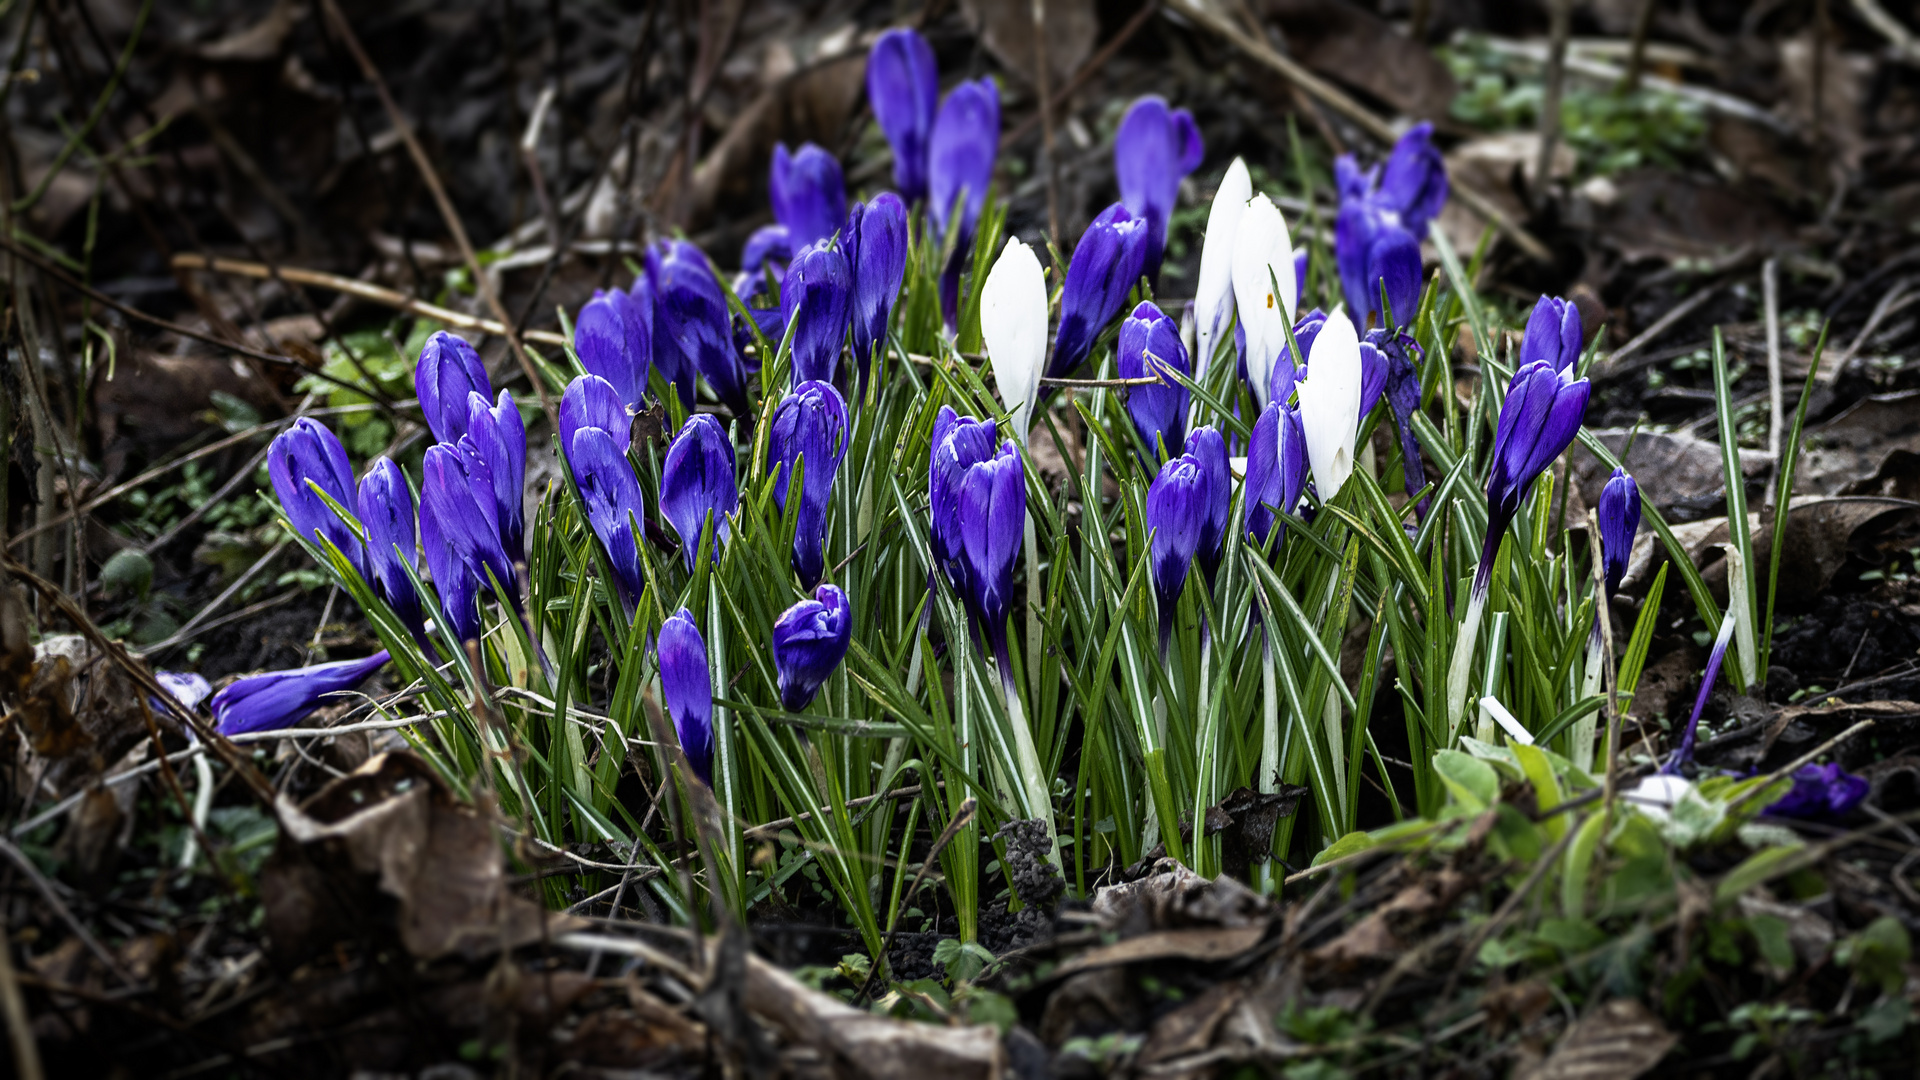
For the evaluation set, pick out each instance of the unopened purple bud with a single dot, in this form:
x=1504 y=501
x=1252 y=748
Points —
x=308 y=451
x=903 y=86
x=385 y=510
x=809 y=641
x=693 y=311
x=1553 y=333
x=815 y=299
x=959 y=443
x=1619 y=514
x=613 y=336
x=809 y=194
x=810 y=425
x=1150 y=344
x=1276 y=468
x=280 y=699
x=1153 y=150
x=876 y=246
x=1104 y=268
x=448 y=370
x=687 y=685
x=697 y=482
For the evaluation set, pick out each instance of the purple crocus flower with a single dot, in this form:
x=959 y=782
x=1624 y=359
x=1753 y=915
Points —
x=1177 y=502
x=1150 y=344
x=591 y=401
x=1619 y=514
x=458 y=491
x=960 y=157
x=876 y=246
x=809 y=195
x=809 y=641
x=959 y=443
x=496 y=433
x=1373 y=378
x=668 y=360
x=1683 y=754
x=1276 y=469
x=697 y=481
x=814 y=300
x=688 y=687
x=769 y=248
x=385 y=509
x=448 y=370
x=185 y=687
x=1820 y=791
x=809 y=425
x=1288 y=371
x=693 y=311
x=1154 y=149
x=1553 y=333
x=608 y=489
x=453 y=577
x=1374 y=207
x=1206 y=446
x=992 y=515
x=1104 y=267
x=306 y=453
x=903 y=86
x=1541 y=416
x=280 y=699
x=613 y=336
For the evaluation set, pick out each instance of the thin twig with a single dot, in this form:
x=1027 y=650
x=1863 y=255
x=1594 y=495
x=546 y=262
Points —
x=64 y=913
x=1560 y=27
x=1617 y=363
x=1086 y=72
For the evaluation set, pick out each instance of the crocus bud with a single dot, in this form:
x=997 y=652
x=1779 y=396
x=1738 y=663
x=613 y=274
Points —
x=1683 y=754
x=280 y=699
x=1553 y=333
x=453 y=577
x=1373 y=378
x=1820 y=791
x=1329 y=401
x=1276 y=469
x=815 y=299
x=809 y=195
x=1013 y=323
x=769 y=248
x=310 y=452
x=447 y=372
x=1262 y=259
x=1149 y=345
x=1619 y=514
x=1393 y=264
x=903 y=86
x=1153 y=150
x=694 y=312
x=960 y=156
x=959 y=443
x=613 y=503
x=688 y=687
x=613 y=336
x=1286 y=370
x=1177 y=502
x=876 y=244
x=1105 y=266
x=500 y=438
x=1540 y=417
x=1415 y=182
x=385 y=508
x=458 y=490
x=1207 y=447
x=809 y=641
x=697 y=481
x=992 y=518
x=809 y=425
x=672 y=364
x=591 y=401
x=1213 y=297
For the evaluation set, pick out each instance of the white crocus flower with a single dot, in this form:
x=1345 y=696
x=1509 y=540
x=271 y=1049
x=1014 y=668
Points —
x=1263 y=258
x=1213 y=298
x=1657 y=795
x=1013 y=323
x=1329 y=402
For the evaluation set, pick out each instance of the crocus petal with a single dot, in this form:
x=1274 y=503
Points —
x=1683 y=754
x=1619 y=513
x=959 y=442
x=1150 y=344
x=185 y=687
x=808 y=192
x=1262 y=259
x=1394 y=259
x=1013 y=324
x=811 y=425
x=1213 y=297
x=1276 y=469
x=1553 y=333
x=1153 y=150
x=697 y=480
x=809 y=641
x=694 y=313
x=687 y=685
x=448 y=370
x=614 y=505
x=1821 y=791
x=1415 y=180
x=903 y=86
x=992 y=511
x=280 y=699
x=458 y=489
x=308 y=451
x=1373 y=379
x=1105 y=266
x=769 y=247
x=614 y=341
x=1176 y=515
x=591 y=401
x=385 y=509
x=1207 y=447
x=1329 y=401
x=453 y=578
x=876 y=243
x=960 y=155
x=497 y=432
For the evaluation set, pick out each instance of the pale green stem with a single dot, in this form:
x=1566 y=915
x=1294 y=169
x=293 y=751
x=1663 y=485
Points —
x=1039 y=796
x=1461 y=669
x=1206 y=766
x=202 y=806
x=727 y=768
x=1337 y=758
x=1586 y=729
x=1033 y=608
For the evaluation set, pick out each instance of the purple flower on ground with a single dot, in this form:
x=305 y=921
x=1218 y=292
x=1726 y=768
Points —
x=280 y=699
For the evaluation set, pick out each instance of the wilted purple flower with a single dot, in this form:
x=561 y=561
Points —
x=458 y=492
x=697 y=481
x=809 y=425
x=809 y=641
x=309 y=452
x=1150 y=344
x=280 y=699
x=959 y=443
x=1553 y=333
x=992 y=515
x=1104 y=267
x=1402 y=355
x=903 y=86
x=1154 y=149
x=1541 y=416
x=185 y=687
x=613 y=336
x=960 y=156
x=1619 y=514
x=876 y=246
x=1683 y=754
x=691 y=308
x=1177 y=511
x=1373 y=207
x=1820 y=791
x=385 y=510
x=1276 y=469
x=688 y=687
x=611 y=495
x=496 y=433
x=809 y=195
x=814 y=300
x=448 y=370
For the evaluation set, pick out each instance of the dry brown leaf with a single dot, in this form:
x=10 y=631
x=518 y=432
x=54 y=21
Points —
x=1618 y=1041
x=1200 y=946
x=865 y=1044
x=1006 y=28
x=1345 y=41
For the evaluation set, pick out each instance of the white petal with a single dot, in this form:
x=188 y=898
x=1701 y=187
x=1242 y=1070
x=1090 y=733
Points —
x=1656 y=795
x=1329 y=403
x=1013 y=323
x=1213 y=297
x=1262 y=258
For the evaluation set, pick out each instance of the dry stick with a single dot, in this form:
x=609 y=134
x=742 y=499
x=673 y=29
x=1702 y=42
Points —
x=1040 y=80
x=1616 y=364
x=1902 y=40
x=530 y=157
x=439 y=192
x=1086 y=72
x=63 y=912
x=1560 y=27
x=1894 y=299
x=26 y=1052
x=1637 y=58
x=1770 y=291
x=1206 y=14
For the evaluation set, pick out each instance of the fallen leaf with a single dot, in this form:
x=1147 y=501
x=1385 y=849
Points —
x=866 y=1045
x=1618 y=1041
x=1201 y=946
x=1346 y=42
x=1006 y=28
